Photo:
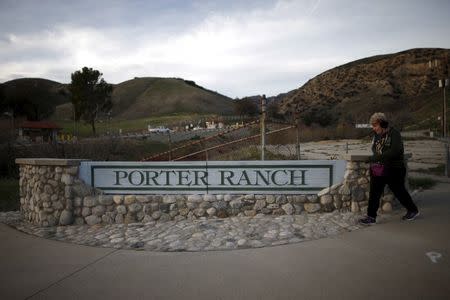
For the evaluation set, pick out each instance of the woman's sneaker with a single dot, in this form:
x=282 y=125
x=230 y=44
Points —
x=367 y=221
x=410 y=215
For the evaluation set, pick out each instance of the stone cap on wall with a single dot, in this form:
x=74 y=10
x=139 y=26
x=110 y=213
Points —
x=49 y=161
x=364 y=156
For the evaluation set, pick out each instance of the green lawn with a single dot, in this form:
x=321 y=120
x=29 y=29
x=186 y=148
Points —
x=424 y=183
x=137 y=125
x=9 y=194
x=438 y=170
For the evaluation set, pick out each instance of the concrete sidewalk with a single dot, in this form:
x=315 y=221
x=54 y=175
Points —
x=386 y=261
x=440 y=179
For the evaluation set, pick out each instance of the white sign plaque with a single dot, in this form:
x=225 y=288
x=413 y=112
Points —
x=213 y=177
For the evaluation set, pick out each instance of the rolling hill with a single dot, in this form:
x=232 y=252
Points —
x=143 y=97
x=132 y=99
x=151 y=96
x=404 y=84
x=34 y=97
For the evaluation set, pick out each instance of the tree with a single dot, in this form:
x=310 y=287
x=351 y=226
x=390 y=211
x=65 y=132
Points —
x=273 y=111
x=90 y=95
x=28 y=97
x=319 y=115
x=2 y=99
x=245 y=107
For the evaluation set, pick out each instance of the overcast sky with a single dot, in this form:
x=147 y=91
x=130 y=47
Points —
x=238 y=48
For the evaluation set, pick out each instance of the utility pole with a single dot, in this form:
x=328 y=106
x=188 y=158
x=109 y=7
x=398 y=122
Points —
x=263 y=126
x=445 y=108
x=297 y=121
x=73 y=108
x=11 y=115
x=170 y=145
x=108 y=124
x=443 y=84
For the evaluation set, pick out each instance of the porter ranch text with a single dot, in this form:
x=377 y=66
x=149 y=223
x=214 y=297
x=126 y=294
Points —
x=265 y=177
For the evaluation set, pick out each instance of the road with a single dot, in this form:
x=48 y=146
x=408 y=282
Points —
x=392 y=260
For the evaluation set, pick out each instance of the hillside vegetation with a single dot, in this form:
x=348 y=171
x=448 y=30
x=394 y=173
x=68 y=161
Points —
x=151 y=96
x=143 y=97
x=404 y=84
x=133 y=99
x=116 y=125
x=32 y=97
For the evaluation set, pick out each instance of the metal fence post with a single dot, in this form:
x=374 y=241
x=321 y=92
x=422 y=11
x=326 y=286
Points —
x=297 y=117
x=447 y=159
x=263 y=126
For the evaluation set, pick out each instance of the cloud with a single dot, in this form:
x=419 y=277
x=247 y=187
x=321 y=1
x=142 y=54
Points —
x=234 y=48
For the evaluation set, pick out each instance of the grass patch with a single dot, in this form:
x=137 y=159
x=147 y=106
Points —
x=9 y=191
x=425 y=113
x=252 y=152
x=438 y=170
x=418 y=138
x=136 y=125
x=421 y=183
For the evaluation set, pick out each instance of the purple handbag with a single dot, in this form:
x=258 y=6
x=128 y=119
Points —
x=377 y=170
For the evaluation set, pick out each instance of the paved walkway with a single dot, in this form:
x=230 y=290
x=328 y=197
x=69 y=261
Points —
x=392 y=260
x=199 y=235
x=441 y=179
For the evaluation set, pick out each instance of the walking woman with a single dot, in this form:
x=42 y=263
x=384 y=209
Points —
x=387 y=166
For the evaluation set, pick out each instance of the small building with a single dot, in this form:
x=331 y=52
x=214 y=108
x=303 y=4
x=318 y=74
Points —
x=363 y=125
x=211 y=125
x=39 y=131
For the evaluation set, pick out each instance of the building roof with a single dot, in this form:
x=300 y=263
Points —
x=40 y=125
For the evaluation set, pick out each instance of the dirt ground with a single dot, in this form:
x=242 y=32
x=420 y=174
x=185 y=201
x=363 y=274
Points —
x=426 y=153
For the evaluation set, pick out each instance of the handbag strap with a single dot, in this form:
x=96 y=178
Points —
x=379 y=144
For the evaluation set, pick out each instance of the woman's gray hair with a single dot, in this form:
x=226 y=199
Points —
x=378 y=117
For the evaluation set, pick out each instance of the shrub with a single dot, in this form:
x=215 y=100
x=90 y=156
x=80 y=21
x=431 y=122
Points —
x=423 y=182
x=438 y=170
x=317 y=115
x=9 y=189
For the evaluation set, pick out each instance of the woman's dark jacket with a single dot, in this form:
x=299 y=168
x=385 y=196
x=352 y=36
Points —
x=392 y=151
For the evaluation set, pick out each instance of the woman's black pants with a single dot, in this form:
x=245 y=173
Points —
x=396 y=182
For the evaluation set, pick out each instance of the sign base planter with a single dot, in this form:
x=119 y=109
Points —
x=63 y=192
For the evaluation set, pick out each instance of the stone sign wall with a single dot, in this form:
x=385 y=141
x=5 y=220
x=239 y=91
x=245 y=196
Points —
x=45 y=189
x=51 y=193
x=213 y=177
